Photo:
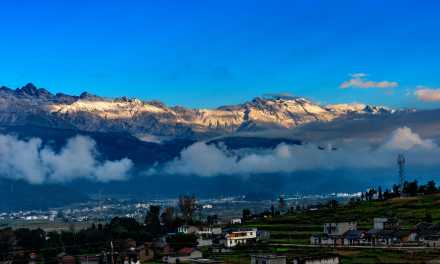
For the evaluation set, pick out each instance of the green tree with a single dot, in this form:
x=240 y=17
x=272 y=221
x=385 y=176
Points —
x=430 y=187
x=167 y=217
x=30 y=239
x=281 y=203
x=411 y=188
x=212 y=219
x=428 y=217
x=386 y=195
x=396 y=190
x=246 y=214
x=7 y=241
x=180 y=241
x=54 y=247
x=152 y=221
x=187 y=206
x=332 y=204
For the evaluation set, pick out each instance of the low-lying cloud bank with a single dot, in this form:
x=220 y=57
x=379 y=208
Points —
x=206 y=160
x=31 y=161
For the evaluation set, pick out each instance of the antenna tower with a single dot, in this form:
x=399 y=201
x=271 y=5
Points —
x=401 y=163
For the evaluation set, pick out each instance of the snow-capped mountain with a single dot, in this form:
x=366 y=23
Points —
x=30 y=105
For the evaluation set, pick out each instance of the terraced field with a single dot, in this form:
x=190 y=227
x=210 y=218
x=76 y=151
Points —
x=295 y=229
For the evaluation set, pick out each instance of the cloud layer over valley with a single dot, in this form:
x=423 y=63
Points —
x=34 y=162
x=209 y=160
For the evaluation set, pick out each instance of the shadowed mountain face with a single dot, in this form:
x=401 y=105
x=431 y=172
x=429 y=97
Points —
x=20 y=195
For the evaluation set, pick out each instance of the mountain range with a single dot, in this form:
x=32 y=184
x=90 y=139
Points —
x=150 y=132
x=153 y=120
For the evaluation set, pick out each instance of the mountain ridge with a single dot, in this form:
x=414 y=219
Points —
x=154 y=120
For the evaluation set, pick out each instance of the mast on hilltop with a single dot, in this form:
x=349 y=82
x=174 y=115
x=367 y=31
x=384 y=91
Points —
x=401 y=163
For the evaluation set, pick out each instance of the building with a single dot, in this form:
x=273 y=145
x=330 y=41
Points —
x=183 y=255
x=89 y=259
x=385 y=231
x=330 y=259
x=382 y=223
x=220 y=249
x=384 y=237
x=204 y=231
x=240 y=236
x=338 y=229
x=216 y=231
x=161 y=247
x=187 y=229
x=354 y=238
x=268 y=259
x=66 y=259
x=207 y=231
x=236 y=221
x=263 y=235
x=204 y=242
x=145 y=252
x=426 y=233
x=334 y=234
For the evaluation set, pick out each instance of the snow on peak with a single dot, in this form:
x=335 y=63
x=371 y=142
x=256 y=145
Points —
x=153 y=118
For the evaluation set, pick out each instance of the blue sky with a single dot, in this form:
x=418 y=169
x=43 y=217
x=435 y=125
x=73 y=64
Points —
x=209 y=53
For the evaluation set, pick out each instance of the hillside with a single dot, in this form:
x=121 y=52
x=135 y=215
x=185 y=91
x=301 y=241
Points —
x=290 y=233
x=298 y=227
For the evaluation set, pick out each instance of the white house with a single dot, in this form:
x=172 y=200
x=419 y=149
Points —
x=317 y=260
x=187 y=229
x=240 y=236
x=338 y=229
x=236 y=221
x=204 y=231
x=217 y=230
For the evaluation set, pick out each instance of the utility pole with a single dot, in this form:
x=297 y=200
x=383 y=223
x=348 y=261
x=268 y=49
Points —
x=112 y=251
x=401 y=163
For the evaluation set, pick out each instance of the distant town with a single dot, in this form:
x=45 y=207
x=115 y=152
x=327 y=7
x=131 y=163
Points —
x=102 y=210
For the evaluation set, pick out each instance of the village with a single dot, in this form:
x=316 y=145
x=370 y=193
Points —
x=385 y=233
x=404 y=219
x=374 y=221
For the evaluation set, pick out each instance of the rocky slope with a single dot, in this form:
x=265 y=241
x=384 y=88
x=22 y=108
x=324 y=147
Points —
x=30 y=105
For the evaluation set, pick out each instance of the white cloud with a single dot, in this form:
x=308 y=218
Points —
x=31 y=161
x=359 y=80
x=427 y=94
x=202 y=159
x=113 y=170
x=404 y=139
x=207 y=160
